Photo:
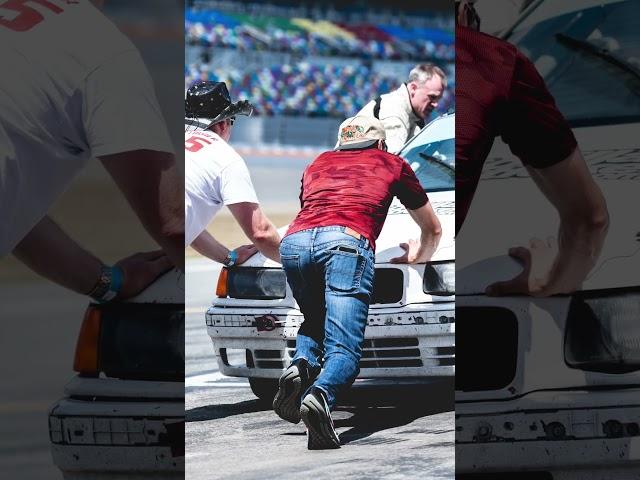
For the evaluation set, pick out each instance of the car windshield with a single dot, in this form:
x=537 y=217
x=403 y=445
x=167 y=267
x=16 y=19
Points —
x=590 y=60
x=433 y=162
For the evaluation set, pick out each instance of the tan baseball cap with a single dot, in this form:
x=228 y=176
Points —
x=359 y=132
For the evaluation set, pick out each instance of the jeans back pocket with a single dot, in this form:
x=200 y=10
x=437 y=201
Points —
x=344 y=269
x=291 y=267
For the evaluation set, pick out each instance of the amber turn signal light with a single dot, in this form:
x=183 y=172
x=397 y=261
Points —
x=85 y=361
x=221 y=288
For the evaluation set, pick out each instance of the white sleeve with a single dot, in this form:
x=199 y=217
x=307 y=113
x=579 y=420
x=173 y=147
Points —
x=396 y=133
x=235 y=184
x=121 y=111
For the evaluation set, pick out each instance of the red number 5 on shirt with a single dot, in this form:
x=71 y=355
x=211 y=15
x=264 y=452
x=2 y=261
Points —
x=195 y=143
x=23 y=17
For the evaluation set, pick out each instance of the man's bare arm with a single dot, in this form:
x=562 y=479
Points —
x=51 y=253
x=208 y=246
x=155 y=190
x=584 y=221
x=258 y=228
x=431 y=232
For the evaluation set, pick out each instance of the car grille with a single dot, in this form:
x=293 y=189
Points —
x=390 y=353
x=488 y=346
x=376 y=353
x=388 y=286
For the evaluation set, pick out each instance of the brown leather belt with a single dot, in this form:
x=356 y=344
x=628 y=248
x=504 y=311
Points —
x=351 y=232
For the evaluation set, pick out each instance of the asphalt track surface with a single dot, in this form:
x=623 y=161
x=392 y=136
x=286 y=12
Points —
x=39 y=323
x=391 y=432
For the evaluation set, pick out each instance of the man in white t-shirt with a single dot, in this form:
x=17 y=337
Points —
x=215 y=176
x=73 y=87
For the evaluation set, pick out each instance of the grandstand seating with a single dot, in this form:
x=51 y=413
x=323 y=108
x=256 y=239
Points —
x=307 y=89
x=322 y=37
x=309 y=82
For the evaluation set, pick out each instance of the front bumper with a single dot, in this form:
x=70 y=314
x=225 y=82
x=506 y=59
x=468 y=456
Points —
x=110 y=428
x=572 y=434
x=415 y=340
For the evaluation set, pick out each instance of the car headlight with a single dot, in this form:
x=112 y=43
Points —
x=132 y=341
x=253 y=283
x=439 y=278
x=603 y=332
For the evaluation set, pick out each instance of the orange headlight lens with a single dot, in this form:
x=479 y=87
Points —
x=221 y=289
x=86 y=358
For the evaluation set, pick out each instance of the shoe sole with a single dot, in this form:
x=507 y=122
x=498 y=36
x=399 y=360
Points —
x=287 y=400
x=321 y=434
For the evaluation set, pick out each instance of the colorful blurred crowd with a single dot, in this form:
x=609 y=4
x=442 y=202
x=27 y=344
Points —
x=311 y=83
x=308 y=89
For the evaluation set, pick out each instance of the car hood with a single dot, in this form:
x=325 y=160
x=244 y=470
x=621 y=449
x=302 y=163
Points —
x=168 y=289
x=508 y=210
x=398 y=228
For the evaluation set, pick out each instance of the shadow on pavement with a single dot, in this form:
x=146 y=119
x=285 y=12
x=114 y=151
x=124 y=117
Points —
x=368 y=409
x=213 y=412
x=377 y=408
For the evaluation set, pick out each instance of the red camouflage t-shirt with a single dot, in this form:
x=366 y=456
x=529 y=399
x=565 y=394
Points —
x=499 y=92
x=354 y=188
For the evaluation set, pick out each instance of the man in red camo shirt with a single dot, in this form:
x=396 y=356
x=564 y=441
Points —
x=500 y=93
x=328 y=257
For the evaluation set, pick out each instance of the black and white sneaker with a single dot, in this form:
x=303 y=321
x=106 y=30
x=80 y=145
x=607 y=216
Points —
x=317 y=417
x=293 y=382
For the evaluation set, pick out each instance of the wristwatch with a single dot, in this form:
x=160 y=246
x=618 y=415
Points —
x=108 y=285
x=232 y=258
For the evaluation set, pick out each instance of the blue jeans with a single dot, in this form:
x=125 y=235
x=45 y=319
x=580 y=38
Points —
x=331 y=276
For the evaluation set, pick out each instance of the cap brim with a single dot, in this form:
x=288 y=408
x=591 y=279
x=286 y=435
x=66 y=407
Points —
x=243 y=107
x=357 y=145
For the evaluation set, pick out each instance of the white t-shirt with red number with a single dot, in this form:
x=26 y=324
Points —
x=72 y=87
x=215 y=175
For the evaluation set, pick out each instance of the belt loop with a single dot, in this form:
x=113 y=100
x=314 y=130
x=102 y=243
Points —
x=313 y=237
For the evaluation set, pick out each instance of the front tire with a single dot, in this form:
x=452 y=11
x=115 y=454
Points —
x=264 y=388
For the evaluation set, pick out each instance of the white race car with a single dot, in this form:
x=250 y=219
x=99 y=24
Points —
x=123 y=414
x=551 y=386
x=411 y=325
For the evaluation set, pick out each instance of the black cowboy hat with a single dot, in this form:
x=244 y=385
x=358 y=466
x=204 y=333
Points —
x=208 y=102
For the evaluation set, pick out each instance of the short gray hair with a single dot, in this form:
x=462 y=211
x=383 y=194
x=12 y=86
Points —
x=423 y=72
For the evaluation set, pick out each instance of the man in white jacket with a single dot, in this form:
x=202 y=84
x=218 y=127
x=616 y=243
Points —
x=403 y=111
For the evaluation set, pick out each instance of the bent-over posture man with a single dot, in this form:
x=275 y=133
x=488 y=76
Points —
x=328 y=255
x=77 y=88
x=215 y=175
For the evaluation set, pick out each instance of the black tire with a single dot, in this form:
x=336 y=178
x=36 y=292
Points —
x=264 y=388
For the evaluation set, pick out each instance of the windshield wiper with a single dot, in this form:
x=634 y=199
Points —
x=602 y=53
x=430 y=158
